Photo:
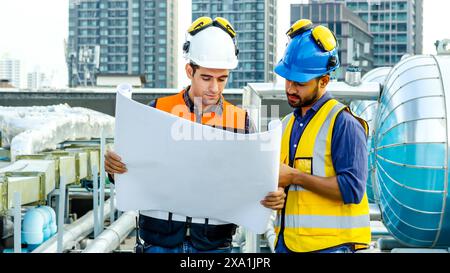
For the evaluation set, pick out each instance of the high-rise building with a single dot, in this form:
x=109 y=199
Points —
x=355 y=41
x=255 y=24
x=131 y=37
x=10 y=70
x=35 y=80
x=397 y=27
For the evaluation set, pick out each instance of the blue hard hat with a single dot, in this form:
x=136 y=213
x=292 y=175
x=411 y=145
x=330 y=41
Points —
x=305 y=60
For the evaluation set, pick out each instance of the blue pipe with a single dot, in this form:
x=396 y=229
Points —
x=39 y=224
x=51 y=220
x=33 y=227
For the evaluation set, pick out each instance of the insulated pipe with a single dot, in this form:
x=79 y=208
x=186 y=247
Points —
x=411 y=151
x=72 y=233
x=38 y=226
x=113 y=235
x=34 y=224
x=52 y=223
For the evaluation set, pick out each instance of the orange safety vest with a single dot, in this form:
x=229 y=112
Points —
x=232 y=118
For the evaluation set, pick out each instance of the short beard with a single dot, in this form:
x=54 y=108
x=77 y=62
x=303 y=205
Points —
x=308 y=102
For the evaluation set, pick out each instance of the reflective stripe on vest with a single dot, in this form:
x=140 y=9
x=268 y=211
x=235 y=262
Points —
x=312 y=222
x=285 y=121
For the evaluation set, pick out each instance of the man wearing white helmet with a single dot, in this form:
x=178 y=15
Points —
x=212 y=52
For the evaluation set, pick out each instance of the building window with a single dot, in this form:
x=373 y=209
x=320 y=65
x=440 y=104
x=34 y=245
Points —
x=323 y=12
x=338 y=29
x=149 y=4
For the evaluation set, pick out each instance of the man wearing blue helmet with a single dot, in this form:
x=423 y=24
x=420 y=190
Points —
x=323 y=154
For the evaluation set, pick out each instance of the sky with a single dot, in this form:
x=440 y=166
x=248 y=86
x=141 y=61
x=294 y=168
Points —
x=34 y=32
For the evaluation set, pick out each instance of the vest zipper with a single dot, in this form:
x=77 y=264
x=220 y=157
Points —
x=283 y=212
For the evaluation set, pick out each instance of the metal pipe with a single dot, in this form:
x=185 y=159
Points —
x=339 y=90
x=111 y=196
x=102 y=177
x=73 y=232
x=61 y=208
x=113 y=235
x=270 y=233
x=17 y=223
x=375 y=212
x=95 y=200
x=251 y=242
x=388 y=243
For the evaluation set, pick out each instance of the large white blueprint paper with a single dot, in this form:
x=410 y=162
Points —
x=187 y=168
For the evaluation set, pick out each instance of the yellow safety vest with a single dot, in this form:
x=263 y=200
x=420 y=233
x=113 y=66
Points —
x=312 y=222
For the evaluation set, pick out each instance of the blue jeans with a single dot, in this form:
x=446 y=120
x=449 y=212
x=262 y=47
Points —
x=281 y=248
x=186 y=247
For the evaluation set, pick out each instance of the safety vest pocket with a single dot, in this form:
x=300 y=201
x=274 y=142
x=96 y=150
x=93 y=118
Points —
x=304 y=164
x=309 y=198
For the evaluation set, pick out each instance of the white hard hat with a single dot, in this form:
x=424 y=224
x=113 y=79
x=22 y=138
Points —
x=211 y=48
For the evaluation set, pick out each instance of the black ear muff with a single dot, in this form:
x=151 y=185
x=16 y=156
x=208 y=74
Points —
x=186 y=46
x=332 y=62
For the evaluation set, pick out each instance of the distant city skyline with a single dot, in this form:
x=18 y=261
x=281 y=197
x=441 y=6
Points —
x=396 y=26
x=40 y=44
x=123 y=37
x=10 y=69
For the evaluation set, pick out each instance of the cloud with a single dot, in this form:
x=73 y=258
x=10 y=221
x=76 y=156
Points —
x=35 y=34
